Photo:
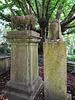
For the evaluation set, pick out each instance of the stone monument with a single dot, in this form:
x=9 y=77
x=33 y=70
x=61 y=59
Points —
x=54 y=31
x=55 y=69
x=25 y=83
x=28 y=22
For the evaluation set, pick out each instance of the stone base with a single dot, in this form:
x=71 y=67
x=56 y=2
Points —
x=14 y=91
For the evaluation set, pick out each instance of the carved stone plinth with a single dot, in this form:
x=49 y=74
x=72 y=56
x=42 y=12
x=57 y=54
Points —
x=24 y=84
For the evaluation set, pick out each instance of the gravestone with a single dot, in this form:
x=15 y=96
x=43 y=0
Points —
x=55 y=69
x=24 y=84
x=4 y=64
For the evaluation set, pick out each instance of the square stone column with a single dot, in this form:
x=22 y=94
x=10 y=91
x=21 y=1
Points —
x=24 y=84
x=55 y=71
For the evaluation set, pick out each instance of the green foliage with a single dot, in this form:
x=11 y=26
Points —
x=5 y=50
x=70 y=40
x=67 y=39
x=2 y=50
x=44 y=11
x=42 y=22
x=42 y=8
x=71 y=57
x=8 y=50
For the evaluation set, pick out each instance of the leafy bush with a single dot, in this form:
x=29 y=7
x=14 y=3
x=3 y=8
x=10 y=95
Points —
x=2 y=50
x=8 y=50
x=71 y=57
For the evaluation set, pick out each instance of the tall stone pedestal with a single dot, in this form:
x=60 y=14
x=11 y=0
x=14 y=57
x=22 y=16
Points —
x=24 y=84
x=55 y=71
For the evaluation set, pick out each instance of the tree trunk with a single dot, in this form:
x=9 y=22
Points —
x=30 y=10
x=58 y=13
x=43 y=35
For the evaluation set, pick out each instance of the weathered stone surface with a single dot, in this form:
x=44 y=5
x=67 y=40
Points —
x=28 y=21
x=24 y=63
x=70 y=65
x=17 y=91
x=24 y=81
x=55 y=71
x=69 y=96
x=25 y=33
x=24 y=36
x=54 y=31
x=4 y=64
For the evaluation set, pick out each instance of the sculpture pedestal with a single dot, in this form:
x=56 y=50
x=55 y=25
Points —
x=24 y=84
x=55 y=71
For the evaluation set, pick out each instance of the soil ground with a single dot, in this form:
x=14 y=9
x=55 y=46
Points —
x=4 y=78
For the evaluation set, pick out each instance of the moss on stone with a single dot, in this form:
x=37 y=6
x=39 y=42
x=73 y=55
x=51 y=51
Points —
x=55 y=70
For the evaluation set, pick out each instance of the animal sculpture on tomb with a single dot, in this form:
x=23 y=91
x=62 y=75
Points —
x=54 y=31
x=28 y=22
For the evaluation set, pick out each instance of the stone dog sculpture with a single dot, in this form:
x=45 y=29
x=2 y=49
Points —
x=28 y=22
x=54 y=31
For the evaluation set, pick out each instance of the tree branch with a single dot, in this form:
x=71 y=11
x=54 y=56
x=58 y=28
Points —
x=58 y=13
x=67 y=22
x=30 y=10
x=31 y=7
x=37 y=8
x=26 y=4
x=20 y=4
x=6 y=18
x=69 y=26
x=5 y=6
x=40 y=4
x=47 y=7
x=43 y=1
x=17 y=12
x=69 y=32
x=53 y=9
x=70 y=14
x=9 y=8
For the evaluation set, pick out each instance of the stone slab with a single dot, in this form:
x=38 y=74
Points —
x=4 y=64
x=55 y=71
x=70 y=65
x=24 y=32
x=23 y=36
